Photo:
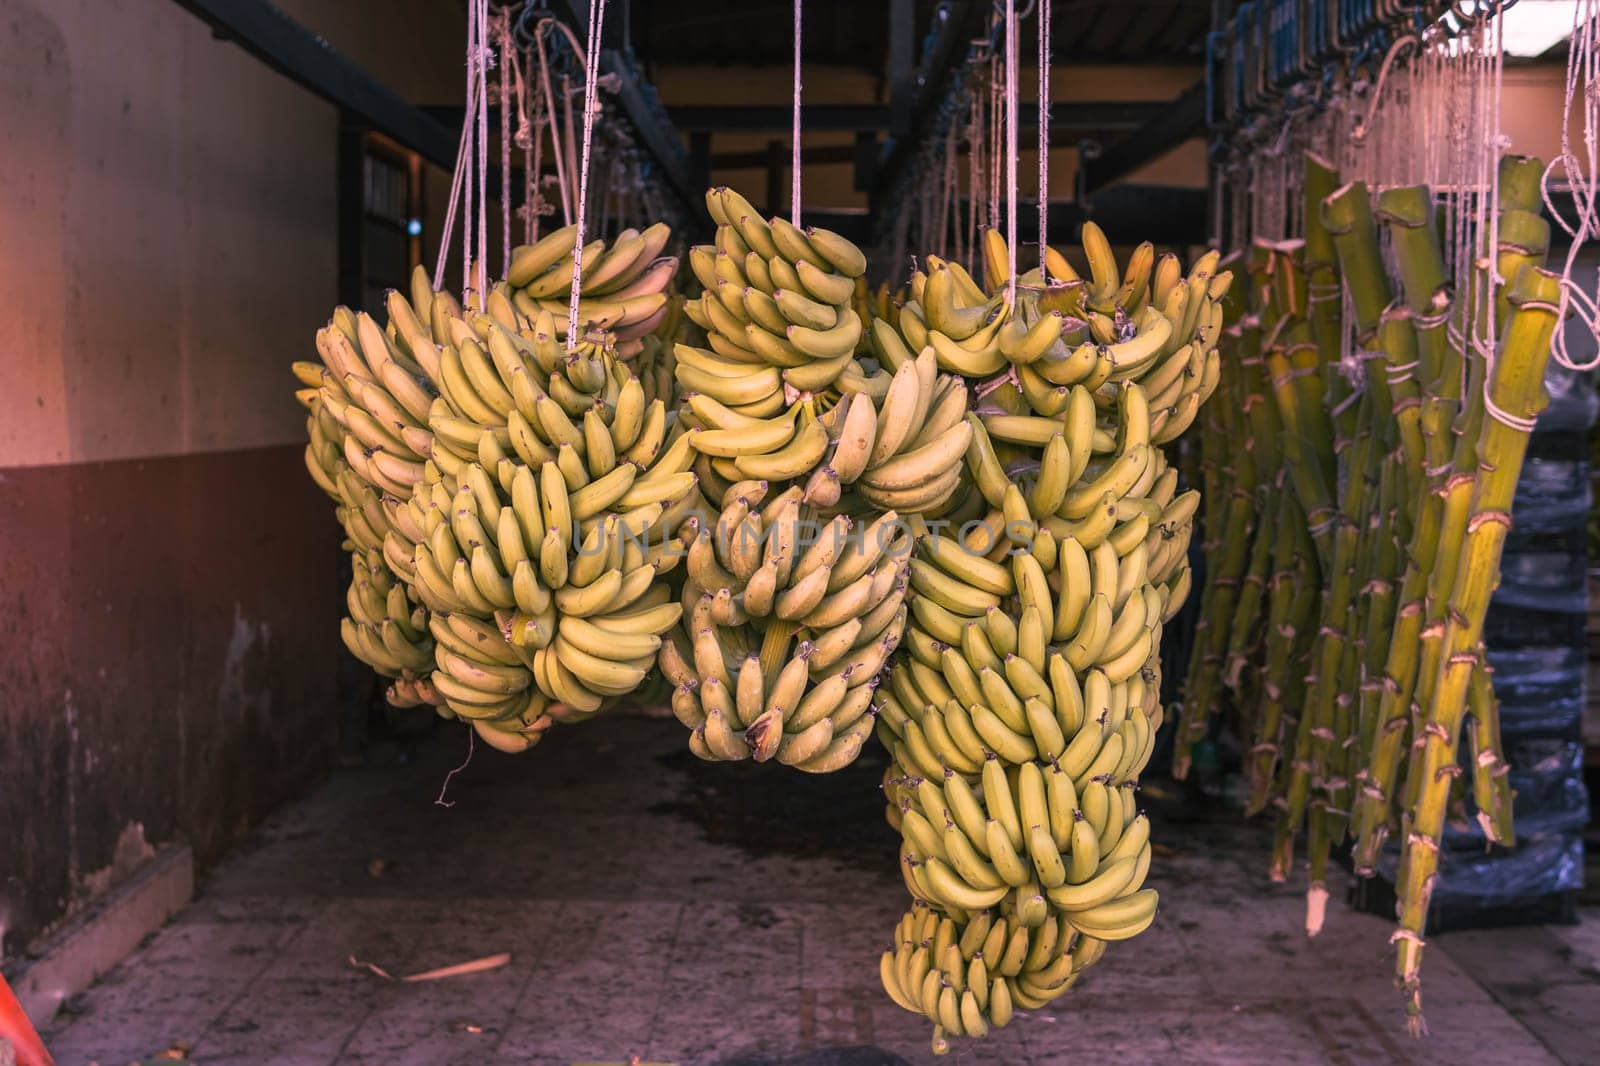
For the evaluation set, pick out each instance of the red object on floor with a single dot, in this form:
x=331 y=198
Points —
x=15 y=1027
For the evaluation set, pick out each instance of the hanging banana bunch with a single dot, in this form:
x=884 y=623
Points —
x=788 y=630
x=356 y=454
x=1027 y=697
x=529 y=500
x=970 y=977
x=778 y=309
x=795 y=593
x=623 y=289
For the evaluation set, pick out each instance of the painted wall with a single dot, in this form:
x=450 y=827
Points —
x=169 y=587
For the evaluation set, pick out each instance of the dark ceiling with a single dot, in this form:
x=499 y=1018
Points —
x=855 y=33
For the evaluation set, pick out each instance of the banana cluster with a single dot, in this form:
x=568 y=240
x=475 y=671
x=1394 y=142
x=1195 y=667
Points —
x=511 y=500
x=1035 y=837
x=623 y=288
x=903 y=449
x=1026 y=699
x=387 y=630
x=356 y=455
x=564 y=545
x=891 y=442
x=655 y=365
x=778 y=309
x=764 y=576
x=948 y=312
x=969 y=978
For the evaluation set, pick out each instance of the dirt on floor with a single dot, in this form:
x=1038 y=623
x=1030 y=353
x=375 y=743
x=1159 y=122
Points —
x=656 y=906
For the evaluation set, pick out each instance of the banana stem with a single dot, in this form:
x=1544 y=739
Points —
x=775 y=646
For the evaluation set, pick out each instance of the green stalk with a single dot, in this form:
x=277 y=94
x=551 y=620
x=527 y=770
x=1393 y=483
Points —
x=1380 y=593
x=1324 y=309
x=1346 y=214
x=1516 y=388
x=1211 y=641
x=1457 y=496
x=1491 y=787
x=1290 y=601
x=1316 y=734
x=1244 y=635
x=1229 y=520
x=1409 y=216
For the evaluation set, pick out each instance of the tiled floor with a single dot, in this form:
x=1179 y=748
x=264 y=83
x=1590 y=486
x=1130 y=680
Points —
x=687 y=913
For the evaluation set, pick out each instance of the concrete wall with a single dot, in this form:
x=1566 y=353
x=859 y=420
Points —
x=168 y=575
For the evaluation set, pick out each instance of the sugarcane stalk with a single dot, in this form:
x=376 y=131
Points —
x=1244 y=635
x=1346 y=215
x=1316 y=731
x=1522 y=233
x=1212 y=642
x=1409 y=216
x=1372 y=618
x=1324 y=310
x=1380 y=592
x=1518 y=249
x=1291 y=598
x=1457 y=495
x=1516 y=388
x=1229 y=524
x=1491 y=786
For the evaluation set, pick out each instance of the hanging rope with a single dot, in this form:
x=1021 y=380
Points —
x=475 y=117
x=503 y=38
x=591 y=82
x=485 y=58
x=794 y=162
x=1583 y=177
x=1044 y=134
x=1011 y=149
x=558 y=150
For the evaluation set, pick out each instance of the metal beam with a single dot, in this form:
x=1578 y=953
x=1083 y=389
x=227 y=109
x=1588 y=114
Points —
x=1167 y=216
x=813 y=154
x=1067 y=117
x=900 y=77
x=761 y=119
x=310 y=62
x=962 y=22
x=1178 y=121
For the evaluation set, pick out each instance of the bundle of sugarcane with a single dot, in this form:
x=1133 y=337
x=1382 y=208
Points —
x=1385 y=540
x=1027 y=698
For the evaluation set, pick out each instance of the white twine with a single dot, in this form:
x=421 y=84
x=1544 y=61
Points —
x=591 y=83
x=996 y=107
x=556 y=144
x=1044 y=133
x=462 y=182
x=1583 y=182
x=485 y=60
x=463 y=160
x=503 y=35
x=794 y=164
x=478 y=89
x=1011 y=149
